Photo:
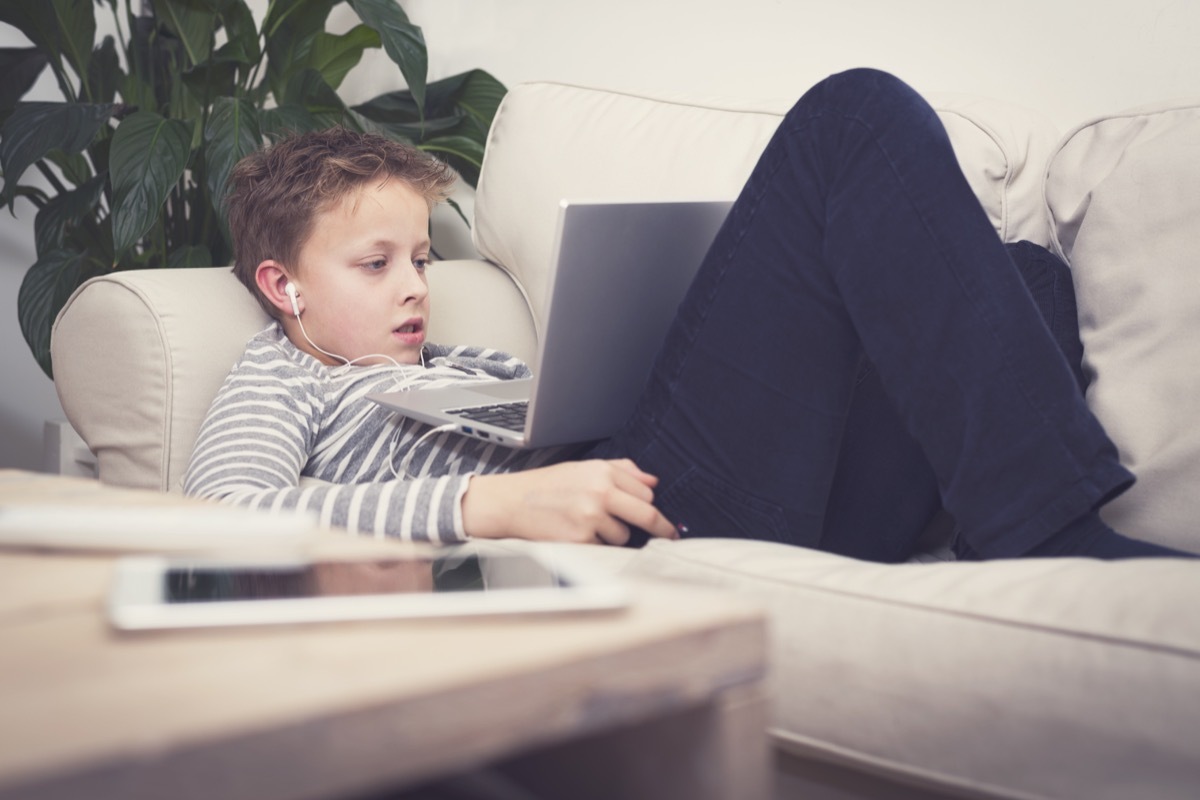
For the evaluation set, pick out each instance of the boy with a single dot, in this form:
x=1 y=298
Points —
x=857 y=297
x=331 y=237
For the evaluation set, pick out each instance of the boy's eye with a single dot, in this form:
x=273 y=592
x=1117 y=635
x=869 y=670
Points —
x=421 y=263
x=376 y=265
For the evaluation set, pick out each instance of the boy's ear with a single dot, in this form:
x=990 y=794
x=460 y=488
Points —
x=271 y=278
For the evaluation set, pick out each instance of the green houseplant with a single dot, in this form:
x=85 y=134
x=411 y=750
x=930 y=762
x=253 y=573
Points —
x=137 y=152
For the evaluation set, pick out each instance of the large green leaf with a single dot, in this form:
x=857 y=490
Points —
x=77 y=31
x=61 y=28
x=192 y=255
x=393 y=107
x=19 y=70
x=104 y=72
x=34 y=129
x=66 y=211
x=308 y=88
x=463 y=147
x=231 y=133
x=458 y=113
x=35 y=19
x=334 y=56
x=148 y=156
x=480 y=97
x=194 y=22
x=399 y=106
x=402 y=41
x=44 y=291
x=33 y=194
x=291 y=28
x=287 y=120
x=74 y=167
x=413 y=132
x=304 y=17
x=241 y=34
x=464 y=153
x=469 y=99
x=217 y=79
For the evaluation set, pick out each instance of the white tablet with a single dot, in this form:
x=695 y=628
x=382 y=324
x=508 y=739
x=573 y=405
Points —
x=191 y=528
x=465 y=580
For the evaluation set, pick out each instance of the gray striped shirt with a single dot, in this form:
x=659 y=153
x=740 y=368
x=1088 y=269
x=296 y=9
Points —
x=282 y=415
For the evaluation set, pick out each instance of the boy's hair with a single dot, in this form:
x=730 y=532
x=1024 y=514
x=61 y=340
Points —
x=275 y=192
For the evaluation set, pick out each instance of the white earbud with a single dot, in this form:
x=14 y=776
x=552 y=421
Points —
x=292 y=293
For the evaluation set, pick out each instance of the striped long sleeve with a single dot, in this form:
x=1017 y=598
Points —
x=282 y=416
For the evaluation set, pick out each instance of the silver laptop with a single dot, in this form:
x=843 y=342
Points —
x=620 y=271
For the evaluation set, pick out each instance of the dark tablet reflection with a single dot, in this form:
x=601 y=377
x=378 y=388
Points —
x=325 y=579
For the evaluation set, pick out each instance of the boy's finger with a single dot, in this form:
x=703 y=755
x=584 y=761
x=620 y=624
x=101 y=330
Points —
x=613 y=531
x=627 y=466
x=633 y=484
x=644 y=515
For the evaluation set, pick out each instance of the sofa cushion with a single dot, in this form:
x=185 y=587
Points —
x=552 y=141
x=1123 y=193
x=1029 y=678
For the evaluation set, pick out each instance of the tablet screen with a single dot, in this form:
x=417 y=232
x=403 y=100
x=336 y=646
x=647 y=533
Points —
x=469 y=572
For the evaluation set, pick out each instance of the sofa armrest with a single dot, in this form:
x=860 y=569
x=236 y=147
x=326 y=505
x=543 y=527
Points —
x=138 y=357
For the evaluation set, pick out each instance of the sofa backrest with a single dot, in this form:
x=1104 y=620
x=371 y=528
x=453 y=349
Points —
x=552 y=141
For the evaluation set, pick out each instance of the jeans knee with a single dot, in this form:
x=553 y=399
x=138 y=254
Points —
x=866 y=80
x=862 y=92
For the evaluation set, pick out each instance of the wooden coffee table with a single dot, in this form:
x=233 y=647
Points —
x=663 y=700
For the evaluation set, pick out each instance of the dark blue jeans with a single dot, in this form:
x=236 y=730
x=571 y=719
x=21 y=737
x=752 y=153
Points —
x=859 y=350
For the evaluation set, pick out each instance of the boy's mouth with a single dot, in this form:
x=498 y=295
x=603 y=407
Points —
x=412 y=330
x=411 y=325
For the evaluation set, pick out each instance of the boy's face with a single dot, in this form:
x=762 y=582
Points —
x=361 y=277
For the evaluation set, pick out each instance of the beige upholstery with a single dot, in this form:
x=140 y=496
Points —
x=1123 y=193
x=1059 y=678
x=138 y=358
x=1034 y=679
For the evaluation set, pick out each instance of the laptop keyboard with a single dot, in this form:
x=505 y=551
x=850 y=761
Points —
x=502 y=415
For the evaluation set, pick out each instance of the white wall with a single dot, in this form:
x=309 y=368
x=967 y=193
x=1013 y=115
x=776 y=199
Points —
x=1069 y=59
x=27 y=397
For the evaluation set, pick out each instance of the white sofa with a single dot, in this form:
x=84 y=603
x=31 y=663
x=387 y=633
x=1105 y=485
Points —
x=1066 y=678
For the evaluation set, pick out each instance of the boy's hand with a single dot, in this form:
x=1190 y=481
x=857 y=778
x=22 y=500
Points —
x=578 y=501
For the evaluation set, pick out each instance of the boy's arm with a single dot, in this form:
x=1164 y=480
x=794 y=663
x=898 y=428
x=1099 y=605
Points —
x=575 y=501
x=256 y=439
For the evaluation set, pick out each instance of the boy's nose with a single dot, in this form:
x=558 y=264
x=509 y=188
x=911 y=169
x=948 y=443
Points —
x=412 y=287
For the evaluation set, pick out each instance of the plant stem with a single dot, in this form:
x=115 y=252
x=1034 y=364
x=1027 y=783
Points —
x=252 y=76
x=51 y=177
x=120 y=33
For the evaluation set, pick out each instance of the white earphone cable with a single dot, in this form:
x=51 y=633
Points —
x=406 y=462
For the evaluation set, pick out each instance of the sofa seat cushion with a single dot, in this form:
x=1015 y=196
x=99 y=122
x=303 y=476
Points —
x=1032 y=678
x=1123 y=193
x=552 y=141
